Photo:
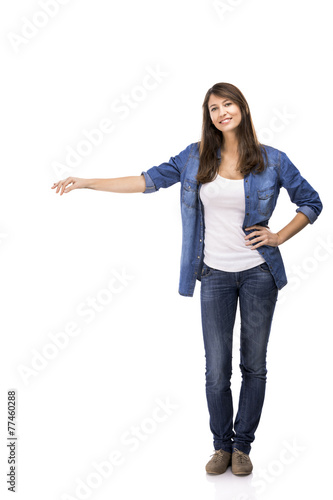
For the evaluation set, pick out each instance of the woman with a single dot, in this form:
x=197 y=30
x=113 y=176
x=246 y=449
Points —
x=229 y=187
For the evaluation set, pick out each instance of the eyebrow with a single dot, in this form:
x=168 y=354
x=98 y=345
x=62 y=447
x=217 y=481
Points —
x=222 y=102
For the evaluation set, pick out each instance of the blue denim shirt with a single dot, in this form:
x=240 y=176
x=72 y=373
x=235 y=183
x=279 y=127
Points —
x=261 y=193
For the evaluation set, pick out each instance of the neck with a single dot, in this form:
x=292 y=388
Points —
x=230 y=146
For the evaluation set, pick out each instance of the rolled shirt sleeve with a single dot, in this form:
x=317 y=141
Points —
x=168 y=173
x=299 y=190
x=150 y=186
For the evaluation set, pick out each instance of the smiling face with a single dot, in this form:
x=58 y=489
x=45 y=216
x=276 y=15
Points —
x=224 y=113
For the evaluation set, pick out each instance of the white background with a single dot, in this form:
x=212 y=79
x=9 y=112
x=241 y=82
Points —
x=144 y=345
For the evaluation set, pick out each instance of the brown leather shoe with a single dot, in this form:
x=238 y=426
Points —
x=219 y=463
x=241 y=463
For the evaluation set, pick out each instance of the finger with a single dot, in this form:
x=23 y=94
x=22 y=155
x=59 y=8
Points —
x=59 y=186
x=253 y=234
x=254 y=241
x=64 y=184
x=56 y=184
x=261 y=243
x=258 y=244
x=63 y=187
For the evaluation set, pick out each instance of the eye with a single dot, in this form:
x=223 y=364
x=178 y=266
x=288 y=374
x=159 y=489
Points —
x=228 y=103
x=213 y=109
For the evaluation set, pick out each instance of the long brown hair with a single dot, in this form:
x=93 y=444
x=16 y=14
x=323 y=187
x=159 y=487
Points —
x=249 y=149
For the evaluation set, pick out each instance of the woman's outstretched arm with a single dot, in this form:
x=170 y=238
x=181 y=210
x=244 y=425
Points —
x=131 y=184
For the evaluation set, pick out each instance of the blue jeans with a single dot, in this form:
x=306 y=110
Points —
x=257 y=293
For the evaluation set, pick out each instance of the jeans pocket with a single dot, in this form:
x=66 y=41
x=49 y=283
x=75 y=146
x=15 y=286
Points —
x=206 y=271
x=264 y=267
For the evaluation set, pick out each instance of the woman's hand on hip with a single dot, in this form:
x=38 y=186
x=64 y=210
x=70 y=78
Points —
x=261 y=236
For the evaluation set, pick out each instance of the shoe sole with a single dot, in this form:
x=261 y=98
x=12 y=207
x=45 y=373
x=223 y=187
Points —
x=242 y=473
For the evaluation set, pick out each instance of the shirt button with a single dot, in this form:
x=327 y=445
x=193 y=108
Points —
x=247 y=197
x=247 y=214
x=198 y=256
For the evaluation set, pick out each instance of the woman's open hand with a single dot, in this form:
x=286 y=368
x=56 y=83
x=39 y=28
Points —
x=261 y=236
x=69 y=184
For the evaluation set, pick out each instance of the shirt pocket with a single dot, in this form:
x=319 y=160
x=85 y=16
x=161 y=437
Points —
x=190 y=193
x=265 y=201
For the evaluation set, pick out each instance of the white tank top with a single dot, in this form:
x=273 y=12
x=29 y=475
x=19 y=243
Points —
x=224 y=212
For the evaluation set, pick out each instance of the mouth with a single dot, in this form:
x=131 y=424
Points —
x=226 y=120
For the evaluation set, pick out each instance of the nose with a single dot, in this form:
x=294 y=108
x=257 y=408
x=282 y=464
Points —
x=223 y=112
